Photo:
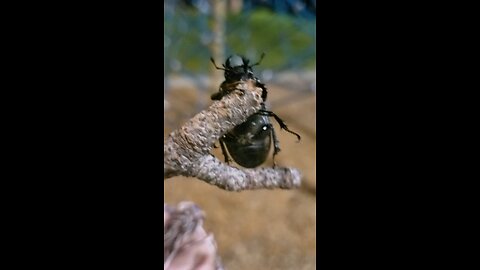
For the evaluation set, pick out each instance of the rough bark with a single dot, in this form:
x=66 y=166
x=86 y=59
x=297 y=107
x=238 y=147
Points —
x=187 y=149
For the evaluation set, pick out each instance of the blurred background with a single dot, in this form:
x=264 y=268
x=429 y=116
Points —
x=263 y=229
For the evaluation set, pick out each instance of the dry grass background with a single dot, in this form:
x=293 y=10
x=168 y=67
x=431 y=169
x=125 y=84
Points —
x=261 y=229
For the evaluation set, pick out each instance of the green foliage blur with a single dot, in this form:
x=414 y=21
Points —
x=288 y=42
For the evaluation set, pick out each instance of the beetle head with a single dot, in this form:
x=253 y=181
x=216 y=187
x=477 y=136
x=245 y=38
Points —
x=237 y=68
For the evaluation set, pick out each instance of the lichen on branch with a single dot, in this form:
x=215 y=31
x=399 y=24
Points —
x=187 y=149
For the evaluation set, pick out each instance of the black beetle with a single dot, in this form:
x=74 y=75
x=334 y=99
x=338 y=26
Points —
x=248 y=143
x=237 y=69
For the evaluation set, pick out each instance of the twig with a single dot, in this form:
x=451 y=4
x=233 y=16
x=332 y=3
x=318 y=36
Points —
x=187 y=149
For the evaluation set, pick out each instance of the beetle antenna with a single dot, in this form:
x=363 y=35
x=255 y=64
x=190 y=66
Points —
x=259 y=61
x=213 y=61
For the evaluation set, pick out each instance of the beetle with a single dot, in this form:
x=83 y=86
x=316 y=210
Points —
x=248 y=143
x=236 y=69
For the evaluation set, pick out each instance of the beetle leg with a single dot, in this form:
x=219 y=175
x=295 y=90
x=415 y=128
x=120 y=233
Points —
x=213 y=61
x=225 y=89
x=216 y=96
x=224 y=151
x=264 y=89
x=280 y=122
x=259 y=61
x=276 y=145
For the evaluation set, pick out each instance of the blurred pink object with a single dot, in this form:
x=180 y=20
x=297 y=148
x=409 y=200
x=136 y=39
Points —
x=186 y=244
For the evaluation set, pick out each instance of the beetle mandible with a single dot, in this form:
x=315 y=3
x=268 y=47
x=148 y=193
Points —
x=248 y=143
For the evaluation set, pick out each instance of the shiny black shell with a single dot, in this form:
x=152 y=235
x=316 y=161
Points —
x=249 y=143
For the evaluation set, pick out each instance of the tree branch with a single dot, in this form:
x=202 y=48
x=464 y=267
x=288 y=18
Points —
x=187 y=149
